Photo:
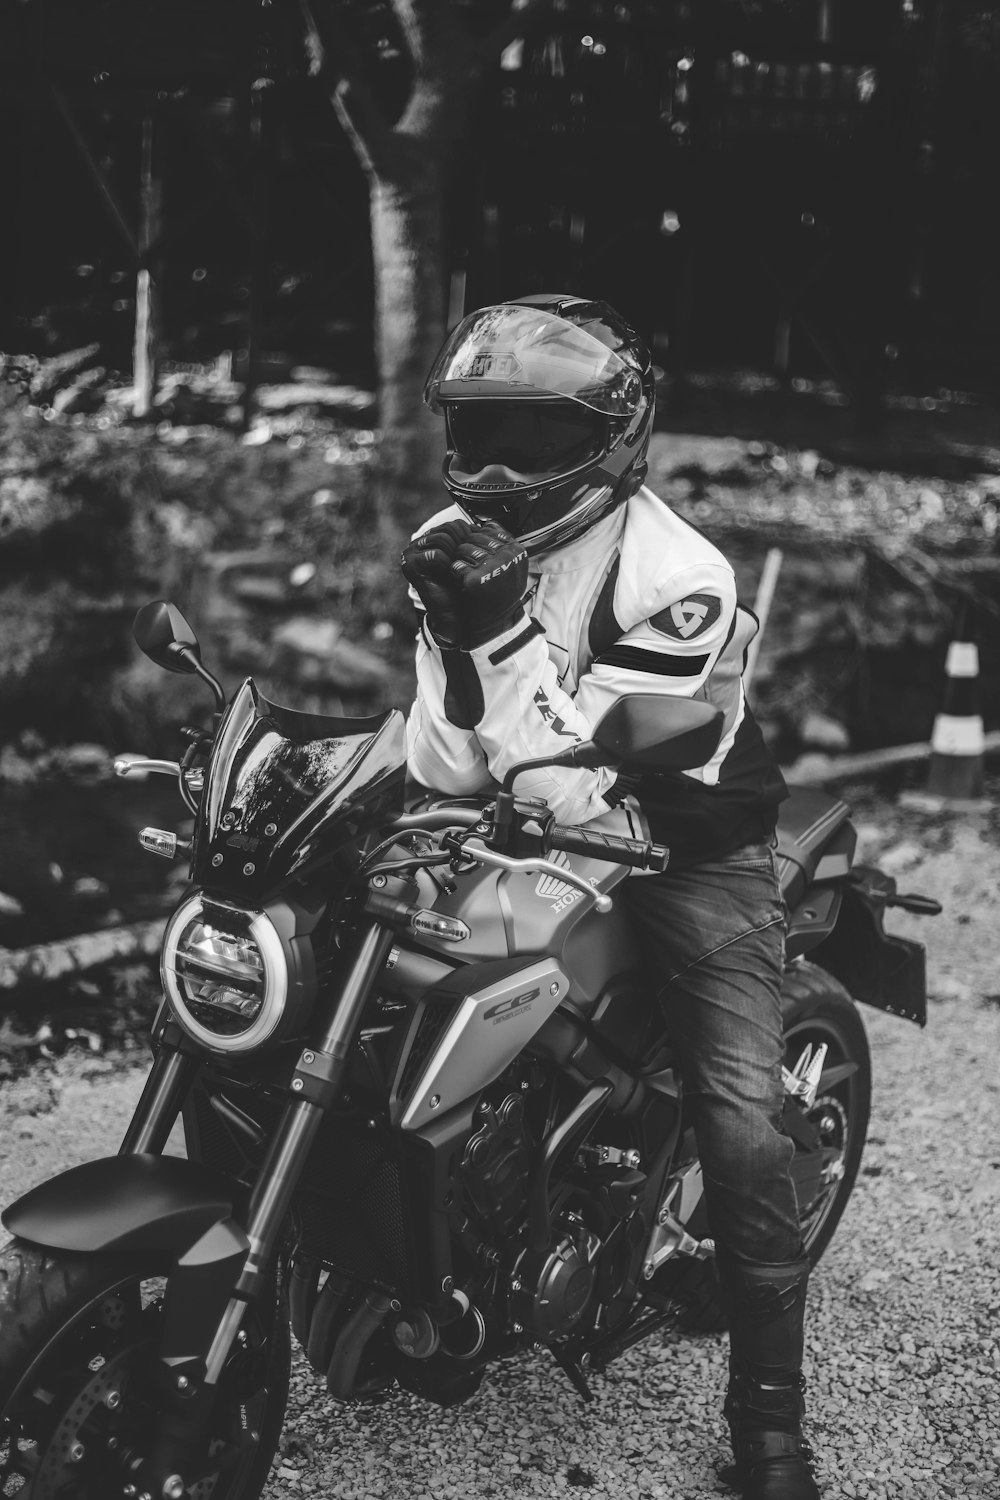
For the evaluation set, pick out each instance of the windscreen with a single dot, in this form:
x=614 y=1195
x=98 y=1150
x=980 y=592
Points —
x=284 y=788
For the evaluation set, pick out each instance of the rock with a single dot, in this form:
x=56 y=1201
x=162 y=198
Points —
x=259 y=590
x=324 y=658
x=89 y=888
x=30 y=507
x=286 y=397
x=819 y=732
x=931 y=504
x=809 y=769
x=307 y=636
x=901 y=857
x=84 y=764
x=947 y=987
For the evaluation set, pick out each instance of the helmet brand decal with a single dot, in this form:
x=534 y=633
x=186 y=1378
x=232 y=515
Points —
x=689 y=617
x=490 y=364
x=505 y=1009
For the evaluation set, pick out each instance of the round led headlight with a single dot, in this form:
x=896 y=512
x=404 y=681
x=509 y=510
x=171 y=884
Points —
x=230 y=974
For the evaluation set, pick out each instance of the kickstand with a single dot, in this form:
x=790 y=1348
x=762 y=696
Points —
x=574 y=1374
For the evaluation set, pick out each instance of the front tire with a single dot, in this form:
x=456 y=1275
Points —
x=77 y=1333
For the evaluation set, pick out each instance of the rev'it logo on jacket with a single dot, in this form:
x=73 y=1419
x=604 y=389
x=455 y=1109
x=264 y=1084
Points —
x=550 y=716
x=688 y=618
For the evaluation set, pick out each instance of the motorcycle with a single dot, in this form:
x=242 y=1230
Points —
x=430 y=1112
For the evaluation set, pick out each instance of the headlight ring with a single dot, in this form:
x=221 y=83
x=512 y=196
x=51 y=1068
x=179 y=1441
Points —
x=236 y=980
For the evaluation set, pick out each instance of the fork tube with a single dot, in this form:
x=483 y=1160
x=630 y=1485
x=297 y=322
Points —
x=160 y=1102
x=368 y=965
x=281 y=1169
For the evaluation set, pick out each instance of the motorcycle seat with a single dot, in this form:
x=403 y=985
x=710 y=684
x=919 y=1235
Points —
x=811 y=825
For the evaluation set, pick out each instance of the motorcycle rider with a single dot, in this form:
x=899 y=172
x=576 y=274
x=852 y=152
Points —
x=556 y=583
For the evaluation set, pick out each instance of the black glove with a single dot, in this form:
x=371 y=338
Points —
x=426 y=564
x=491 y=569
x=471 y=579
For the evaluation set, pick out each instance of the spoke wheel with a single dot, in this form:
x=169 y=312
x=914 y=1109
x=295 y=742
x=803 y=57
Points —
x=818 y=1011
x=78 y=1339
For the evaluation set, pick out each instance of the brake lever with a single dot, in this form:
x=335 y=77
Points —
x=536 y=865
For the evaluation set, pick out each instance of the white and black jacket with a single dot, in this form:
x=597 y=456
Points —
x=643 y=603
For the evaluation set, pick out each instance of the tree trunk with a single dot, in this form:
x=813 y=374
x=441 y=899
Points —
x=44 y=963
x=146 y=297
x=408 y=247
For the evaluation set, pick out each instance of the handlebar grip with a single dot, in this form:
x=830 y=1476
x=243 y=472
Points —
x=638 y=853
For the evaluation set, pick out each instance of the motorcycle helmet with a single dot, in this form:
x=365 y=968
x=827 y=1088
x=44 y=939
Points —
x=548 y=407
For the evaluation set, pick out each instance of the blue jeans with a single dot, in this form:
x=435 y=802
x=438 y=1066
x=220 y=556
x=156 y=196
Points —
x=713 y=937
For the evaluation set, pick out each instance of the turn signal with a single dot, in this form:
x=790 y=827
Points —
x=159 y=841
x=432 y=924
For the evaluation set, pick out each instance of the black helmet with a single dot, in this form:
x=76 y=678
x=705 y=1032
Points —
x=548 y=406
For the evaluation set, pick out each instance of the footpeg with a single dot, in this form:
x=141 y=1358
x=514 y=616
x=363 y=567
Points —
x=802 y=1082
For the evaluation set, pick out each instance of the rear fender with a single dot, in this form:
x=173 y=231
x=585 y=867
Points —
x=875 y=967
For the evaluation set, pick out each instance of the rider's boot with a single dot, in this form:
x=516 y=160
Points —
x=764 y=1403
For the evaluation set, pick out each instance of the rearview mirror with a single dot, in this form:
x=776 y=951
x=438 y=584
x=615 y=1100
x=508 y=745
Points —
x=162 y=633
x=658 y=732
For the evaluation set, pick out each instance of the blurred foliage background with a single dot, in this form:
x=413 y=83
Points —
x=209 y=343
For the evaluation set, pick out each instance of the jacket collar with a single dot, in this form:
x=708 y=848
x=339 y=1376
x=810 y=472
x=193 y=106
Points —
x=599 y=542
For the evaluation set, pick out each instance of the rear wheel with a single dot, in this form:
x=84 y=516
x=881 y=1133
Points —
x=829 y=1136
x=818 y=1011
x=78 y=1334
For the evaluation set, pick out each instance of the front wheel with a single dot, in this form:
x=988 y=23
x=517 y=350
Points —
x=77 y=1337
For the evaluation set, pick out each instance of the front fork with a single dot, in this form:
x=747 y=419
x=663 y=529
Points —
x=215 y=1280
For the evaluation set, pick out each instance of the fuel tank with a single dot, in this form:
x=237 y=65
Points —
x=510 y=914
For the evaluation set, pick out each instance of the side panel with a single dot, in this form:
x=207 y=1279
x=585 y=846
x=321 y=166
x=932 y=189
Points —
x=486 y=1030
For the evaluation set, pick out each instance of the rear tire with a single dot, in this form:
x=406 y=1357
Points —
x=76 y=1330
x=815 y=1009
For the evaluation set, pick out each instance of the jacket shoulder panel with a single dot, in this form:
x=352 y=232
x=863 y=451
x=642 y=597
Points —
x=665 y=561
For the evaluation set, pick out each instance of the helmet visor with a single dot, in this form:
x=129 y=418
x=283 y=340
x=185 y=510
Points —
x=532 y=440
x=510 y=351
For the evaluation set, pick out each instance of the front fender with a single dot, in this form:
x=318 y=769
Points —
x=123 y=1203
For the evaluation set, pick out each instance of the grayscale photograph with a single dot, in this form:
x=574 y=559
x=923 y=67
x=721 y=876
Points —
x=499 y=750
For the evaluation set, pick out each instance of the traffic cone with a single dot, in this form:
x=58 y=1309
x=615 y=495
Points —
x=958 y=742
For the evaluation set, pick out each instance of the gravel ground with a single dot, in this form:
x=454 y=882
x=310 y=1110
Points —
x=902 y=1359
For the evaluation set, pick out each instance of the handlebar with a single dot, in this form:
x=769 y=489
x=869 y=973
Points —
x=638 y=853
x=434 y=819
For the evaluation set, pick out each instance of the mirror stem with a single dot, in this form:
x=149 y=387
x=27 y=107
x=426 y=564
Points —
x=186 y=653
